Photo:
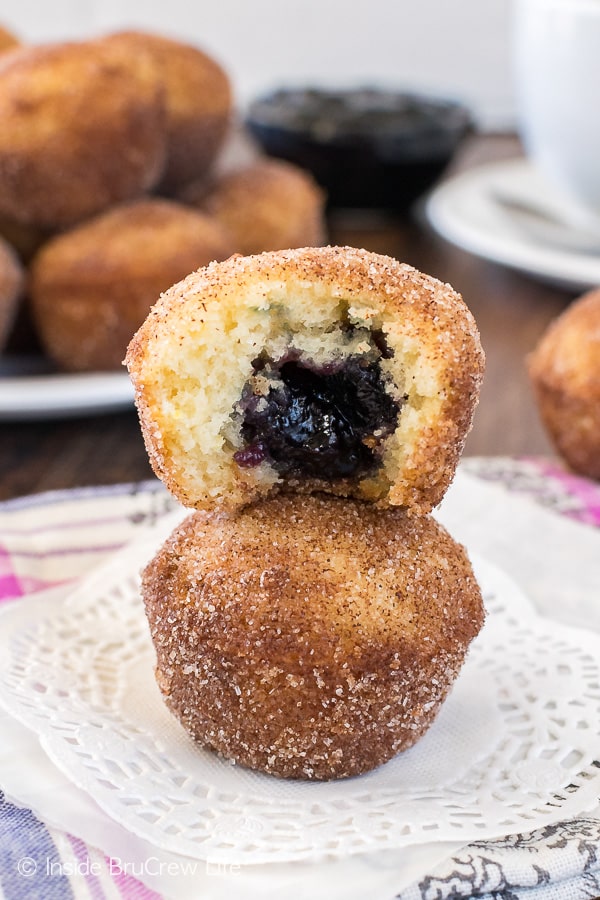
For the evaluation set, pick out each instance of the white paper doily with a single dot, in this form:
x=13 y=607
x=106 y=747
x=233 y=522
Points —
x=513 y=748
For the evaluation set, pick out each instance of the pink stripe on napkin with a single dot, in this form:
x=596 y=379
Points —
x=586 y=491
x=129 y=887
x=92 y=881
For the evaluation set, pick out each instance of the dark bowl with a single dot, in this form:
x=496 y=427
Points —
x=368 y=148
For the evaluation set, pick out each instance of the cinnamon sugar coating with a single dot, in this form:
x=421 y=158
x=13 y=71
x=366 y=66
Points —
x=309 y=637
x=194 y=357
x=565 y=372
x=8 y=40
x=82 y=129
x=198 y=102
x=91 y=286
x=269 y=205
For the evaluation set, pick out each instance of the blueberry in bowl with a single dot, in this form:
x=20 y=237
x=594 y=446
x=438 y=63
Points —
x=369 y=148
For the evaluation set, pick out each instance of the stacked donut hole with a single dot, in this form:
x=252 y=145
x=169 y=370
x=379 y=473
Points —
x=113 y=187
x=310 y=616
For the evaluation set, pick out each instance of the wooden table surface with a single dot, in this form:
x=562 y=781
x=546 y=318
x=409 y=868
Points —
x=511 y=310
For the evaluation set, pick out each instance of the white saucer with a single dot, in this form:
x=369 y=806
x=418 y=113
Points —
x=469 y=211
x=27 y=392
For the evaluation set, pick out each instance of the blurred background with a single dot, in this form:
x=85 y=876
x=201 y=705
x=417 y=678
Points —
x=458 y=49
x=425 y=158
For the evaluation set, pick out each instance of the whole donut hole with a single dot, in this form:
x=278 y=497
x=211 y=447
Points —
x=317 y=421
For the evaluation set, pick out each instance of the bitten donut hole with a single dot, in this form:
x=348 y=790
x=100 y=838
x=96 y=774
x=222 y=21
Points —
x=325 y=369
x=320 y=421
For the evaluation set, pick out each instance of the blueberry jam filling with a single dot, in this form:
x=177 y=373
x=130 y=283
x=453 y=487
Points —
x=324 y=422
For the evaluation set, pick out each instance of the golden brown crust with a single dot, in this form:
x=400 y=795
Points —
x=426 y=324
x=309 y=637
x=11 y=285
x=82 y=129
x=565 y=373
x=198 y=103
x=8 y=40
x=269 y=205
x=92 y=286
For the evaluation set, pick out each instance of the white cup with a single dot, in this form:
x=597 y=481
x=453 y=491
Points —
x=556 y=46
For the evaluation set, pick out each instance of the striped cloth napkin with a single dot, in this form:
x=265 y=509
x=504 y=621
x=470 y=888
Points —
x=51 y=540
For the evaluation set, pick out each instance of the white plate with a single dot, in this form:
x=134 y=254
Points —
x=468 y=210
x=28 y=392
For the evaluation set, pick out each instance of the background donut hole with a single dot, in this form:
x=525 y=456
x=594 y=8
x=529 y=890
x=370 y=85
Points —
x=172 y=129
